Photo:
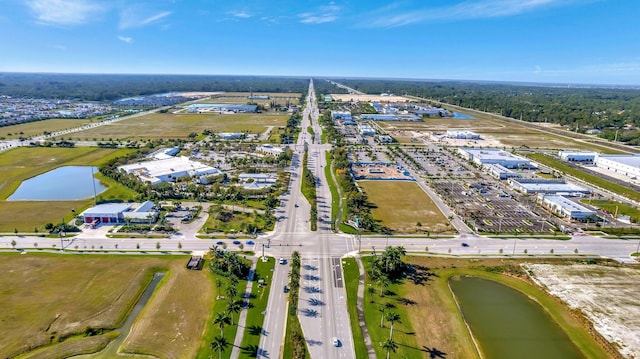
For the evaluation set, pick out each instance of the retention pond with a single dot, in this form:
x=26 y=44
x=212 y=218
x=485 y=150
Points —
x=507 y=324
x=62 y=184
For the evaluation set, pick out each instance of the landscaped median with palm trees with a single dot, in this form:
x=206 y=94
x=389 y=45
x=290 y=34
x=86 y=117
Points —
x=295 y=345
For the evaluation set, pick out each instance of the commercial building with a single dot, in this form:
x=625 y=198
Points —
x=483 y=156
x=120 y=213
x=565 y=208
x=626 y=165
x=578 y=156
x=341 y=115
x=552 y=186
x=366 y=130
x=462 y=135
x=257 y=180
x=499 y=171
x=168 y=169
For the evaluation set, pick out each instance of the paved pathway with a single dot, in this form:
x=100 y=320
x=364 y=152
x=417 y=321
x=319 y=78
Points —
x=360 y=307
x=242 y=319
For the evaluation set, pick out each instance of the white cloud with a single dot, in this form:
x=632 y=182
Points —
x=134 y=17
x=323 y=14
x=63 y=12
x=241 y=14
x=125 y=39
x=470 y=9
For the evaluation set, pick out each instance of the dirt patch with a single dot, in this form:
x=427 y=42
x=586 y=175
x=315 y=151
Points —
x=608 y=297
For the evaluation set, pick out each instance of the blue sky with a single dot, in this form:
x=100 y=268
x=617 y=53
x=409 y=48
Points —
x=569 y=41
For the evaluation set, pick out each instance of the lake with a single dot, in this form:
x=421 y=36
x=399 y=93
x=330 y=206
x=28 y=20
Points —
x=508 y=324
x=462 y=116
x=62 y=184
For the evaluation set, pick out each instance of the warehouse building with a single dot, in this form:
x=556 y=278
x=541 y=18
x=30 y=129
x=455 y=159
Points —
x=462 y=135
x=483 y=156
x=578 y=156
x=551 y=186
x=499 y=171
x=626 y=165
x=565 y=208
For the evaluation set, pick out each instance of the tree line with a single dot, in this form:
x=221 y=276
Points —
x=578 y=108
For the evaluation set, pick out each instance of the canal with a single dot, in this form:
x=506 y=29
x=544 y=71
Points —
x=507 y=324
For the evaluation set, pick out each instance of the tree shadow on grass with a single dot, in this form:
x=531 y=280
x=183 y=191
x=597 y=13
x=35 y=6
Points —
x=418 y=274
x=250 y=350
x=434 y=353
x=255 y=330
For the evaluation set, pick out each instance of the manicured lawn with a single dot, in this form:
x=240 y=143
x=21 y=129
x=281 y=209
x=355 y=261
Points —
x=598 y=181
x=351 y=277
x=333 y=187
x=219 y=306
x=38 y=305
x=614 y=207
x=390 y=301
x=401 y=205
x=255 y=314
x=168 y=125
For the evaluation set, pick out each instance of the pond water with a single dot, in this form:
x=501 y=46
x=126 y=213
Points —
x=508 y=324
x=62 y=184
x=462 y=116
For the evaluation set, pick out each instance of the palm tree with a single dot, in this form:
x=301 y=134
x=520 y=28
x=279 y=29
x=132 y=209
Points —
x=234 y=307
x=220 y=343
x=222 y=319
x=384 y=283
x=382 y=310
x=390 y=346
x=393 y=317
x=231 y=292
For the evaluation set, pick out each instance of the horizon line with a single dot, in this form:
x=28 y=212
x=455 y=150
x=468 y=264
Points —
x=333 y=77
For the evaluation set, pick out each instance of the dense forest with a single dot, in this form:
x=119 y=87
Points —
x=607 y=109
x=94 y=87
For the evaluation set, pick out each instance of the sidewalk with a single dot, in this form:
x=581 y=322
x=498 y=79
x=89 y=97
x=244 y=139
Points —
x=242 y=319
x=360 y=307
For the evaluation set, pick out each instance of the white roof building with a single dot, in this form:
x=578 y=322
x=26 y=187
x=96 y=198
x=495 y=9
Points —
x=168 y=169
x=565 y=208
x=484 y=156
x=578 y=156
x=626 y=165
x=547 y=186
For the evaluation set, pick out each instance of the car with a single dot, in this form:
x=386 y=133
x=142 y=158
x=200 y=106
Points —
x=465 y=244
x=286 y=289
x=335 y=341
x=219 y=243
x=295 y=205
x=236 y=242
x=282 y=261
x=250 y=243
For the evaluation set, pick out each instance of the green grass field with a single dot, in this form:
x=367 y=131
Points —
x=614 y=207
x=23 y=163
x=38 y=128
x=49 y=297
x=168 y=125
x=401 y=205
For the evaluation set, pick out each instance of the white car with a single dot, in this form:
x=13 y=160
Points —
x=282 y=260
x=335 y=341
